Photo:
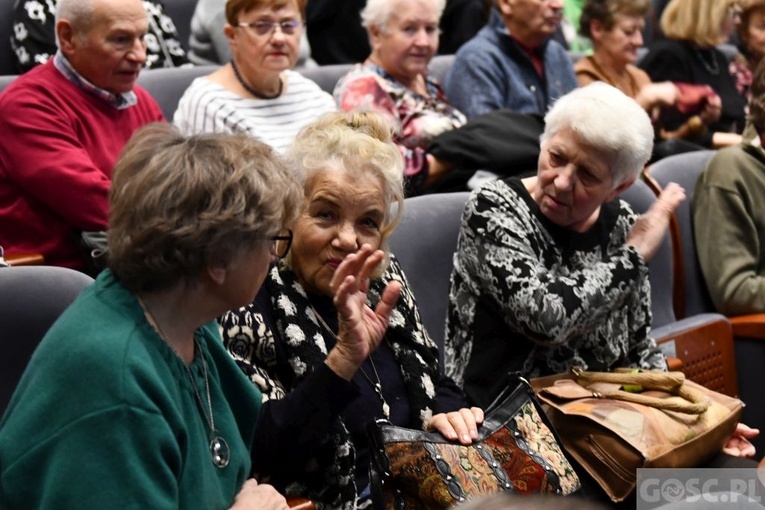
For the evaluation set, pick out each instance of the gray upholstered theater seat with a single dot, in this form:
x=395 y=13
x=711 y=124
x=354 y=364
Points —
x=424 y=242
x=167 y=85
x=31 y=299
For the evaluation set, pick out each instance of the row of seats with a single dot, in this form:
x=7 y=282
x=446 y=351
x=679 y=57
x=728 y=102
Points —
x=167 y=86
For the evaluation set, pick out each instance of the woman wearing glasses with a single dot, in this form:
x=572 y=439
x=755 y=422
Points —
x=131 y=400
x=334 y=340
x=394 y=81
x=256 y=92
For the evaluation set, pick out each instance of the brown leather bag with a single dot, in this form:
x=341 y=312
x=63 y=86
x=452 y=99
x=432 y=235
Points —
x=615 y=423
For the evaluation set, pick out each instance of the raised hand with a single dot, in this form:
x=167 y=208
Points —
x=647 y=233
x=361 y=329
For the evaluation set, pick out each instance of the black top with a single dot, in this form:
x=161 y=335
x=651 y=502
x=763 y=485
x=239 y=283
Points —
x=683 y=61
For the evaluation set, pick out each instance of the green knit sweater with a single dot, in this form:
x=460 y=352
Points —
x=105 y=416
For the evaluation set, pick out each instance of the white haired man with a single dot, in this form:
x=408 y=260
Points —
x=64 y=125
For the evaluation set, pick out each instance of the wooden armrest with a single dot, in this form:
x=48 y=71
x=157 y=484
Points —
x=298 y=503
x=675 y=364
x=749 y=326
x=25 y=259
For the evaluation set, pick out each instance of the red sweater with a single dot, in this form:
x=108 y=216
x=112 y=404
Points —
x=58 y=146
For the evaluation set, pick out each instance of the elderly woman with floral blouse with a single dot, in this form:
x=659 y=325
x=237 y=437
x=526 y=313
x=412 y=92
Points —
x=394 y=81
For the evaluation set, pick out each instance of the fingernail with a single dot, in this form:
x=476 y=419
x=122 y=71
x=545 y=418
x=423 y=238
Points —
x=473 y=433
x=466 y=438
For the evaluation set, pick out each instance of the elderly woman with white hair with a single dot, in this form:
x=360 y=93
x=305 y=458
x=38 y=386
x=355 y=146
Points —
x=551 y=271
x=394 y=80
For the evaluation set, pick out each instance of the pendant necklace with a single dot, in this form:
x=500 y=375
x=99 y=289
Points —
x=377 y=386
x=251 y=90
x=219 y=450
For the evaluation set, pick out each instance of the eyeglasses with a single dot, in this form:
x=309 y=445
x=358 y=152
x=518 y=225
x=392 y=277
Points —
x=267 y=28
x=280 y=244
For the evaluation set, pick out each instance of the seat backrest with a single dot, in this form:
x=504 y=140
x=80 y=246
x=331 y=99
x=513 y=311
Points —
x=31 y=299
x=6 y=80
x=424 y=243
x=640 y=197
x=326 y=77
x=439 y=66
x=167 y=85
x=684 y=169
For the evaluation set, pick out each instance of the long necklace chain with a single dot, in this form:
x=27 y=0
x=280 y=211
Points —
x=714 y=67
x=250 y=89
x=219 y=449
x=377 y=386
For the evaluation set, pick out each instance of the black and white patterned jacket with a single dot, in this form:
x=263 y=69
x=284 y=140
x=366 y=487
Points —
x=34 y=35
x=527 y=295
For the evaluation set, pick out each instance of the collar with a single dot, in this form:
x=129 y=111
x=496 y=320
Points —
x=118 y=101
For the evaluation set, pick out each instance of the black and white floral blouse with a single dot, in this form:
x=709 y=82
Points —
x=304 y=440
x=529 y=296
x=34 y=35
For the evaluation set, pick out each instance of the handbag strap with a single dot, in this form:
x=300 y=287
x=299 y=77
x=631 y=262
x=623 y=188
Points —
x=688 y=401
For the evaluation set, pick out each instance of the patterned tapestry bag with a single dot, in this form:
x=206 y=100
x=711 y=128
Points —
x=613 y=423
x=517 y=450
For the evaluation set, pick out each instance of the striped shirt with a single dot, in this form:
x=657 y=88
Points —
x=207 y=107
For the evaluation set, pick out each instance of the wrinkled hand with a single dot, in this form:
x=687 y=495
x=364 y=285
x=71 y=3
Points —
x=711 y=111
x=256 y=496
x=459 y=425
x=361 y=329
x=648 y=231
x=738 y=444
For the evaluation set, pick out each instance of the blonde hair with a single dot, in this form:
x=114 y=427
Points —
x=698 y=21
x=358 y=142
x=179 y=204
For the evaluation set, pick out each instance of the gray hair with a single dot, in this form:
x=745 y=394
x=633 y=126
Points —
x=377 y=12
x=610 y=122
x=79 y=13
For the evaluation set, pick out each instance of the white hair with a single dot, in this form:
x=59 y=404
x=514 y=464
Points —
x=610 y=122
x=377 y=12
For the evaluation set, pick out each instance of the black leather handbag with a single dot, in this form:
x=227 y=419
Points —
x=517 y=450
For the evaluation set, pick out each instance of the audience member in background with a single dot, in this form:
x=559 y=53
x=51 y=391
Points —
x=334 y=338
x=131 y=400
x=209 y=43
x=689 y=55
x=512 y=62
x=729 y=218
x=34 y=35
x=256 y=93
x=551 y=271
x=751 y=44
x=394 y=81
x=615 y=28
x=335 y=32
x=63 y=126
